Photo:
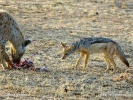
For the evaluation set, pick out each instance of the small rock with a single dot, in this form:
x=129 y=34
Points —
x=43 y=69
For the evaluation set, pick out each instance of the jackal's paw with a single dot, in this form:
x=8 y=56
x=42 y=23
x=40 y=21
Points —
x=105 y=70
x=74 y=67
x=114 y=70
x=83 y=68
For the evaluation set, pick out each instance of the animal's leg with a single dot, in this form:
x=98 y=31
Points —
x=4 y=57
x=2 y=62
x=1 y=58
x=85 y=61
x=4 y=65
x=111 y=59
x=80 y=58
x=107 y=62
x=9 y=63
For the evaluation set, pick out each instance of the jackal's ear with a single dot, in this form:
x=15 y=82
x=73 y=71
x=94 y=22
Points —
x=26 y=42
x=63 y=44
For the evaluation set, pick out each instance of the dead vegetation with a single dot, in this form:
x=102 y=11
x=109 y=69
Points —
x=49 y=22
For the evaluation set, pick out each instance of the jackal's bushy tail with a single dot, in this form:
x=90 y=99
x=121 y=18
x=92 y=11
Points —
x=121 y=55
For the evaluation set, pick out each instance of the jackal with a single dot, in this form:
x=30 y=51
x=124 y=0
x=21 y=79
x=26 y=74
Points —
x=86 y=46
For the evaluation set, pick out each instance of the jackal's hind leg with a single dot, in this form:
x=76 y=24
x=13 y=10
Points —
x=107 y=62
x=79 y=59
x=111 y=59
x=85 y=61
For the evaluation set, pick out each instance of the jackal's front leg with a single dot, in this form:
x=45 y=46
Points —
x=86 y=60
x=80 y=58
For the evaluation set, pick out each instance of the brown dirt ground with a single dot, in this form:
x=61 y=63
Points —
x=47 y=23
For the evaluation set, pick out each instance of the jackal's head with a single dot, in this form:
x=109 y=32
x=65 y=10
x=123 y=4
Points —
x=67 y=50
x=18 y=51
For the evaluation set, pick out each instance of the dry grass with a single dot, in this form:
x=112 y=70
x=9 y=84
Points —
x=47 y=23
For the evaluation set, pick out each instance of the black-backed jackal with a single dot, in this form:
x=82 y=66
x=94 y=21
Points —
x=86 y=46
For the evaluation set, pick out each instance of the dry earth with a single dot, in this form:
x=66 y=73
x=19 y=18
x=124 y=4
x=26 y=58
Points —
x=47 y=23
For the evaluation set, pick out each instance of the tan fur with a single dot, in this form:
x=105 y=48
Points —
x=108 y=50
